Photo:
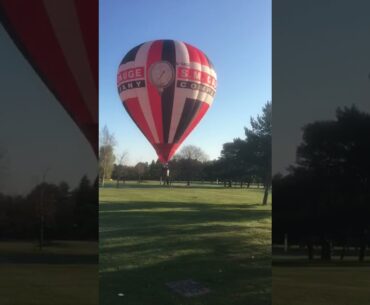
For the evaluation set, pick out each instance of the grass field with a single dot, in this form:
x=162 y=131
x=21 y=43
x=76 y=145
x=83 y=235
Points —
x=63 y=273
x=321 y=285
x=296 y=280
x=151 y=235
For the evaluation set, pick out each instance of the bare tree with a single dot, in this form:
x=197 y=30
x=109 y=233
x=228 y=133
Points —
x=107 y=142
x=192 y=152
x=188 y=163
x=4 y=165
x=141 y=168
x=42 y=208
x=120 y=166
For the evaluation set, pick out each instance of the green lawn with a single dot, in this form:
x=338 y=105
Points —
x=325 y=285
x=63 y=273
x=151 y=235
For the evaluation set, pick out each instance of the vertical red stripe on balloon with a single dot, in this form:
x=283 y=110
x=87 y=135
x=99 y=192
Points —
x=35 y=35
x=175 y=146
x=165 y=151
x=193 y=53
x=203 y=59
x=88 y=16
x=201 y=112
x=197 y=55
x=155 y=54
x=133 y=108
x=32 y=32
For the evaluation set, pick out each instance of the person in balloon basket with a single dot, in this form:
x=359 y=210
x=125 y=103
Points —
x=165 y=175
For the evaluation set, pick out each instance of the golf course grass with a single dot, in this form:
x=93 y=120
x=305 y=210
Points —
x=324 y=285
x=62 y=273
x=151 y=235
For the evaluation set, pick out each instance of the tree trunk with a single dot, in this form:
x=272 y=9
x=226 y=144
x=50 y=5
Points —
x=104 y=170
x=285 y=242
x=310 y=249
x=266 y=194
x=326 y=250
x=361 y=256
x=363 y=244
x=103 y=177
x=42 y=217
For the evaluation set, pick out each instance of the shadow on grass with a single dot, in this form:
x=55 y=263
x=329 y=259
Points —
x=144 y=245
x=174 y=186
x=57 y=259
x=318 y=263
x=229 y=282
x=176 y=219
x=298 y=257
x=54 y=253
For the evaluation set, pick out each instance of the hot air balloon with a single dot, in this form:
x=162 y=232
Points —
x=166 y=86
x=60 y=41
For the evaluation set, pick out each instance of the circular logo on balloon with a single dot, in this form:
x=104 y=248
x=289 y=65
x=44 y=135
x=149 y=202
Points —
x=161 y=74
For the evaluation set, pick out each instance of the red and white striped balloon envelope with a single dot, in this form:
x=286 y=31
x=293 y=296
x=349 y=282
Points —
x=166 y=86
x=60 y=41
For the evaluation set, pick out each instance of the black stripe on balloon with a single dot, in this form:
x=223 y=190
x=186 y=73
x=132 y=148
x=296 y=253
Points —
x=191 y=108
x=168 y=54
x=130 y=56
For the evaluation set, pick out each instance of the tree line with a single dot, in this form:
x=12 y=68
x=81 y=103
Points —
x=323 y=201
x=242 y=162
x=61 y=212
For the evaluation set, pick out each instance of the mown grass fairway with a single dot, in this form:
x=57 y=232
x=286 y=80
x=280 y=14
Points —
x=328 y=285
x=151 y=235
x=65 y=273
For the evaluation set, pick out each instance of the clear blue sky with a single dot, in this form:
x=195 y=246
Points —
x=36 y=133
x=235 y=35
